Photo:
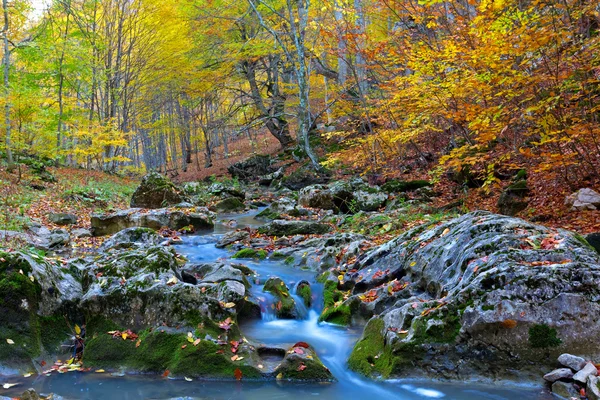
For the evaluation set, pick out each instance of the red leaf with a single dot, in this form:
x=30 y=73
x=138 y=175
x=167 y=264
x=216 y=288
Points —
x=238 y=374
x=298 y=350
x=166 y=373
x=302 y=344
x=301 y=367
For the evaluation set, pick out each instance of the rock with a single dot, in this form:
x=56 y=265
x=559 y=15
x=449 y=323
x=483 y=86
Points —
x=303 y=177
x=502 y=288
x=369 y=201
x=571 y=361
x=583 y=199
x=557 y=374
x=35 y=293
x=197 y=218
x=62 y=219
x=155 y=191
x=594 y=240
x=81 y=233
x=268 y=179
x=286 y=306
x=304 y=291
x=225 y=191
x=316 y=196
x=230 y=204
x=512 y=200
x=289 y=228
x=132 y=237
x=565 y=390
x=30 y=394
x=232 y=237
x=252 y=168
x=593 y=388
x=588 y=370
x=301 y=363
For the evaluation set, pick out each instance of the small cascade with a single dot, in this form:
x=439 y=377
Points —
x=301 y=310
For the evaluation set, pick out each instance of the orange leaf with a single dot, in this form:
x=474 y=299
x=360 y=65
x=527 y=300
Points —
x=238 y=374
x=166 y=373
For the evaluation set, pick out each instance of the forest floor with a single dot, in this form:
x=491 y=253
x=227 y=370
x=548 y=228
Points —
x=83 y=192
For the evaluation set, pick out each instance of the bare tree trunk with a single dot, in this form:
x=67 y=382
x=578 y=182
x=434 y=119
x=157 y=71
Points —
x=9 y=156
x=342 y=62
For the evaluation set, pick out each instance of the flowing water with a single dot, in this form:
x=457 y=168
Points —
x=332 y=343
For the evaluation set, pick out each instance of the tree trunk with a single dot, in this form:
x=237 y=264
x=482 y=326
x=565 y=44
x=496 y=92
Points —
x=9 y=156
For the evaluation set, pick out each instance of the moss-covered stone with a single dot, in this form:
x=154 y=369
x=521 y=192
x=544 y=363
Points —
x=304 y=291
x=334 y=311
x=286 y=307
x=155 y=191
x=230 y=204
x=251 y=253
x=370 y=356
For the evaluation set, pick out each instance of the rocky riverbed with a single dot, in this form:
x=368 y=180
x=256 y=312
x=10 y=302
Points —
x=476 y=297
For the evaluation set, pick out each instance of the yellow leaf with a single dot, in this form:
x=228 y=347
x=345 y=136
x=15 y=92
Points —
x=70 y=361
x=229 y=305
x=137 y=344
x=279 y=376
x=77 y=329
x=99 y=371
x=10 y=341
x=124 y=336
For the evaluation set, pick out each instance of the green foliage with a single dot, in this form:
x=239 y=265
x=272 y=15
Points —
x=251 y=253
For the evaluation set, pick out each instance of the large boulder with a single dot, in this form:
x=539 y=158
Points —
x=194 y=218
x=343 y=197
x=155 y=191
x=482 y=294
x=252 y=168
x=285 y=305
x=37 y=296
x=301 y=363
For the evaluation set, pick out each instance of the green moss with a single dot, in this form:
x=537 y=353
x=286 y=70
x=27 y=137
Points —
x=488 y=307
x=305 y=293
x=286 y=308
x=313 y=371
x=277 y=256
x=333 y=311
x=542 y=336
x=370 y=355
x=54 y=332
x=230 y=204
x=251 y=253
x=289 y=260
x=268 y=214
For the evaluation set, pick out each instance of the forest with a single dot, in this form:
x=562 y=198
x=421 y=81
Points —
x=404 y=189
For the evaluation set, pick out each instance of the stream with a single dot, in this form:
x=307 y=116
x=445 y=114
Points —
x=332 y=343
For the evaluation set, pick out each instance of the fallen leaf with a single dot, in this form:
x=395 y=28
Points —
x=77 y=329
x=187 y=379
x=279 y=376
x=9 y=385
x=184 y=346
x=234 y=357
x=27 y=375
x=229 y=305
x=197 y=342
x=172 y=281
x=166 y=373
x=10 y=341
x=238 y=374
x=302 y=344
x=509 y=323
x=99 y=371
x=301 y=367
x=298 y=350
x=137 y=344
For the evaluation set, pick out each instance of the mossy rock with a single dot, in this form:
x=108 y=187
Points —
x=370 y=356
x=268 y=214
x=334 y=311
x=155 y=191
x=286 y=306
x=301 y=363
x=543 y=337
x=305 y=292
x=251 y=254
x=398 y=186
x=159 y=351
x=230 y=204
